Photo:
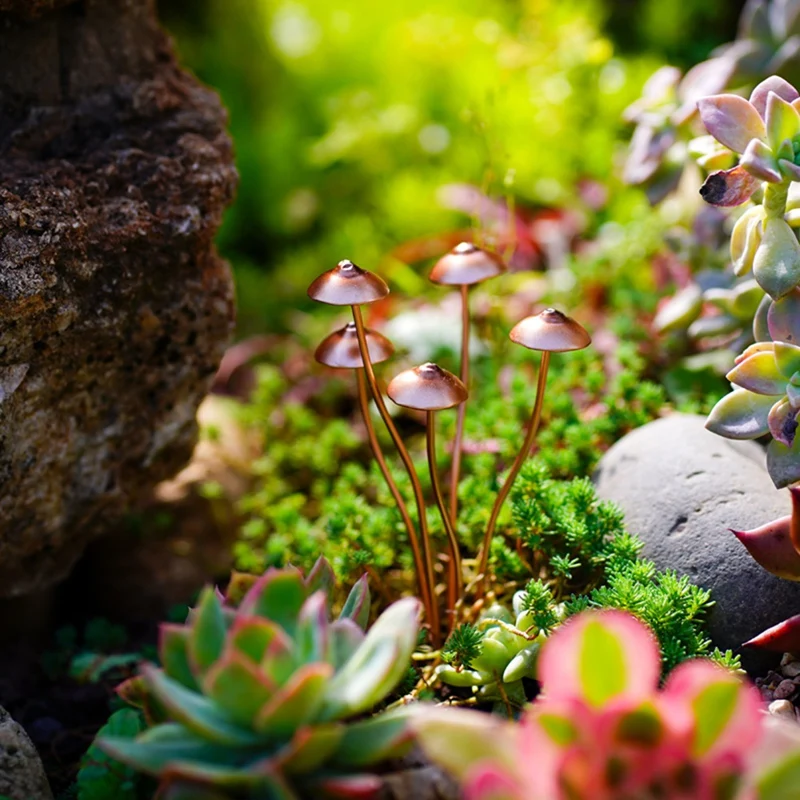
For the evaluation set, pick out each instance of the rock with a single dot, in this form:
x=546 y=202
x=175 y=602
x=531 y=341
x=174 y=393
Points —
x=21 y=772
x=681 y=488
x=115 y=308
x=784 y=709
x=790 y=668
x=785 y=690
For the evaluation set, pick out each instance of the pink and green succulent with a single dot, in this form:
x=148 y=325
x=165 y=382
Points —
x=602 y=729
x=261 y=695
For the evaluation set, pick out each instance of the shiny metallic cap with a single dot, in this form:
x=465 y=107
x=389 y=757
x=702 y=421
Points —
x=552 y=331
x=466 y=264
x=340 y=349
x=427 y=388
x=347 y=285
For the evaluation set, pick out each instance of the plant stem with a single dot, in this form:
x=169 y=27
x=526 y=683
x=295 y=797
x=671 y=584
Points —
x=455 y=582
x=522 y=456
x=775 y=197
x=419 y=564
x=433 y=610
x=455 y=468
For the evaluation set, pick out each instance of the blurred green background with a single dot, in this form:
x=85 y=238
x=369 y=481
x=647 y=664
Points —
x=350 y=116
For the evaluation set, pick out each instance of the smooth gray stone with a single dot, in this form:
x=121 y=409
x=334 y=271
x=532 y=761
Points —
x=681 y=488
x=21 y=772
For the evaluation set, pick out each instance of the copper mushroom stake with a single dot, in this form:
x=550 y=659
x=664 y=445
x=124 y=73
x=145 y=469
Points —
x=349 y=285
x=465 y=265
x=551 y=332
x=340 y=350
x=430 y=388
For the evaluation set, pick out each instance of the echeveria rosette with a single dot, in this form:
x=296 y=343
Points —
x=602 y=730
x=255 y=697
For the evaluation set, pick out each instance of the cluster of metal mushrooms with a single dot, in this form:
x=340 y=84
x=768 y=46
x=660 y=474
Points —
x=430 y=388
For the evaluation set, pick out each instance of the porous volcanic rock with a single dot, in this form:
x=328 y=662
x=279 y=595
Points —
x=21 y=772
x=681 y=488
x=115 y=309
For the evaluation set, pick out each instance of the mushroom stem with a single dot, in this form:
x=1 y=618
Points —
x=433 y=610
x=522 y=456
x=419 y=564
x=455 y=582
x=455 y=468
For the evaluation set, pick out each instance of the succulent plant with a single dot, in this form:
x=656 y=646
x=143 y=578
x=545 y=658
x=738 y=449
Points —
x=260 y=695
x=493 y=657
x=603 y=730
x=768 y=43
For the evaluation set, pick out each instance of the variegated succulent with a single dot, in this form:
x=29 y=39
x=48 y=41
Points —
x=506 y=650
x=260 y=695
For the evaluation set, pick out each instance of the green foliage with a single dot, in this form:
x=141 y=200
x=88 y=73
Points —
x=262 y=695
x=462 y=646
x=101 y=777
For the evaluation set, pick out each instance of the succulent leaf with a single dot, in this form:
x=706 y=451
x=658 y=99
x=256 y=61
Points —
x=196 y=712
x=312 y=635
x=759 y=161
x=745 y=239
x=309 y=749
x=173 y=650
x=238 y=687
x=378 y=665
x=731 y=120
x=771 y=546
x=787 y=357
x=760 y=320
x=278 y=595
x=776 y=265
x=346 y=787
x=346 y=638
x=321 y=578
x=783 y=463
x=773 y=85
x=523 y=665
x=741 y=415
x=252 y=637
x=783 y=318
x=280 y=660
x=493 y=657
x=208 y=629
x=782 y=422
x=375 y=740
x=783 y=121
x=296 y=703
x=358 y=602
x=781 y=638
x=759 y=373
x=459 y=677
x=730 y=187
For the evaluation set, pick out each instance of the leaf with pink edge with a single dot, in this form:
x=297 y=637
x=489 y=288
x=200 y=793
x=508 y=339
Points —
x=759 y=161
x=321 y=578
x=776 y=265
x=252 y=637
x=756 y=347
x=741 y=415
x=789 y=169
x=296 y=703
x=278 y=595
x=781 y=780
x=730 y=187
x=369 y=741
x=488 y=782
x=280 y=660
x=759 y=373
x=782 y=422
x=783 y=318
x=731 y=120
x=726 y=711
x=781 y=638
x=346 y=638
x=783 y=463
x=346 y=787
x=208 y=631
x=771 y=546
x=600 y=656
x=173 y=650
x=782 y=121
x=772 y=85
x=310 y=748
x=358 y=603
x=680 y=310
x=238 y=687
x=312 y=636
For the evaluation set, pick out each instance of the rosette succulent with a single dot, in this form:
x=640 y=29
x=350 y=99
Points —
x=493 y=657
x=260 y=695
x=602 y=729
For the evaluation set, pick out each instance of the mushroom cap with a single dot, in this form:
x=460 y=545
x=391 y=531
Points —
x=340 y=350
x=347 y=285
x=427 y=388
x=552 y=331
x=466 y=264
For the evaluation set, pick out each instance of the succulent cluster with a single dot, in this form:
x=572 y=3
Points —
x=768 y=43
x=260 y=694
x=602 y=729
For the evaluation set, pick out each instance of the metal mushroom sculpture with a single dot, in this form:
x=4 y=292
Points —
x=349 y=285
x=430 y=388
x=464 y=266
x=550 y=331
